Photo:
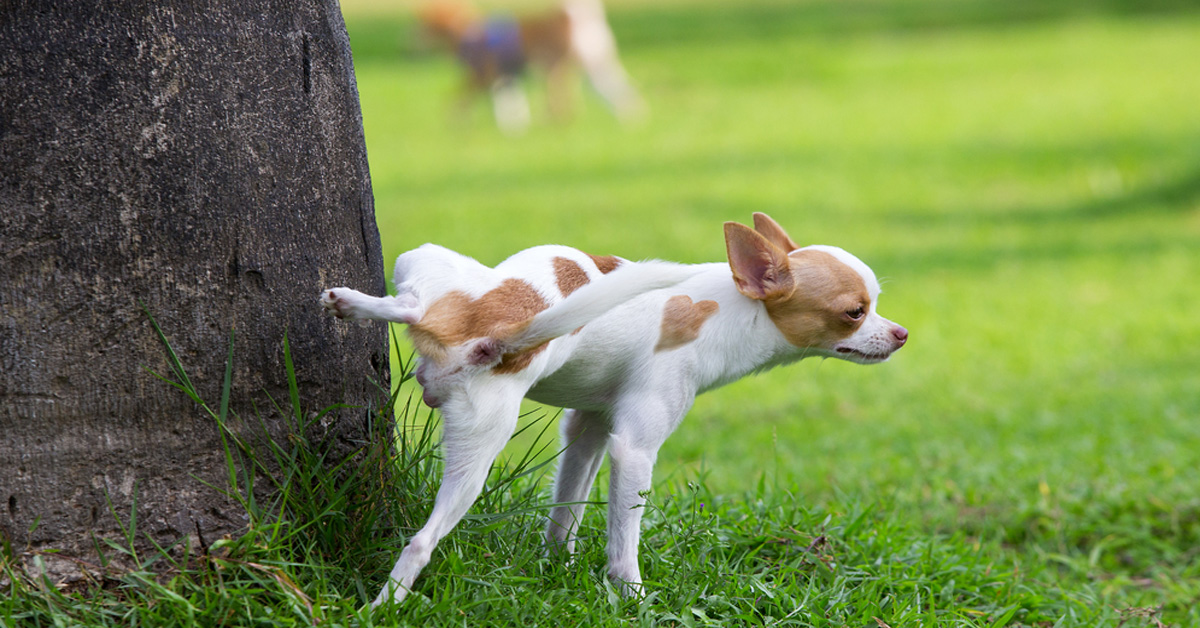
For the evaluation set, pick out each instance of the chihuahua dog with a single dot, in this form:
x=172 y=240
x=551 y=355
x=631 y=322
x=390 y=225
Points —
x=495 y=52
x=625 y=345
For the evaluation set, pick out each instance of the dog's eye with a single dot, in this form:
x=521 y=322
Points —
x=856 y=313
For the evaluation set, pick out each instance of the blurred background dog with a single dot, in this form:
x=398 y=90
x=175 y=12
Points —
x=495 y=52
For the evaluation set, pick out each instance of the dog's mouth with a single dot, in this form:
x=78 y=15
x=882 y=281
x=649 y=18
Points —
x=862 y=357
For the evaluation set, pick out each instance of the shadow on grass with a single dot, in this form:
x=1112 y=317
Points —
x=708 y=23
x=1166 y=197
x=1055 y=233
x=1049 y=232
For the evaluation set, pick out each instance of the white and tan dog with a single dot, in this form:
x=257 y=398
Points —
x=626 y=346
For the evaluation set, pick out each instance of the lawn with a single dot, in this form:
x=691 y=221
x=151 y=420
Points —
x=1025 y=178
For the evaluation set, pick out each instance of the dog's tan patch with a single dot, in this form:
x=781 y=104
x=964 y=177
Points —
x=456 y=318
x=569 y=275
x=516 y=362
x=547 y=38
x=682 y=321
x=824 y=289
x=606 y=263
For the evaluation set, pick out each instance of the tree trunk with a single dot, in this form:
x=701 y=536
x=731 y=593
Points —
x=205 y=159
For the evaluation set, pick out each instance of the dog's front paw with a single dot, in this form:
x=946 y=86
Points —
x=335 y=301
x=394 y=592
x=628 y=589
x=627 y=581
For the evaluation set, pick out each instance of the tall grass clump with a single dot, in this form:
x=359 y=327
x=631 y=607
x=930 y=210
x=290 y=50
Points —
x=319 y=536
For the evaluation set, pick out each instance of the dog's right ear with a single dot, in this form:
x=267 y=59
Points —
x=760 y=268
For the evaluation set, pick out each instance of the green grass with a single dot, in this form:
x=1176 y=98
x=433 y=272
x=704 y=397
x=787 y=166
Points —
x=311 y=553
x=1026 y=179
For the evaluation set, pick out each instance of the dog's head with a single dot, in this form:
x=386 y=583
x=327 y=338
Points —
x=821 y=298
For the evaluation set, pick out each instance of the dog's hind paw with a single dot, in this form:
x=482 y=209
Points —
x=335 y=301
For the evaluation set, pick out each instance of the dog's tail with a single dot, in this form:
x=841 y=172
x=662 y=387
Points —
x=592 y=300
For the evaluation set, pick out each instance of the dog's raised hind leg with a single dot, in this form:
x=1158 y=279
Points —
x=475 y=430
x=352 y=304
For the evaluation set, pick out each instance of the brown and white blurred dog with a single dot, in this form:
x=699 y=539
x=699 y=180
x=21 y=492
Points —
x=495 y=52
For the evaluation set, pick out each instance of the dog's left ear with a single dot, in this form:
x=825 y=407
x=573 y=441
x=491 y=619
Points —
x=760 y=268
x=771 y=230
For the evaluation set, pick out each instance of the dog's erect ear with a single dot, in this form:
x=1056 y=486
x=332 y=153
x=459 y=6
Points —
x=760 y=268
x=771 y=230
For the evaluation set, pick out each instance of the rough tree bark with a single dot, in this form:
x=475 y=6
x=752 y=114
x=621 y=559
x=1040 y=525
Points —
x=205 y=159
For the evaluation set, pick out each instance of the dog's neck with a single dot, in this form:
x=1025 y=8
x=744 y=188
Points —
x=745 y=340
